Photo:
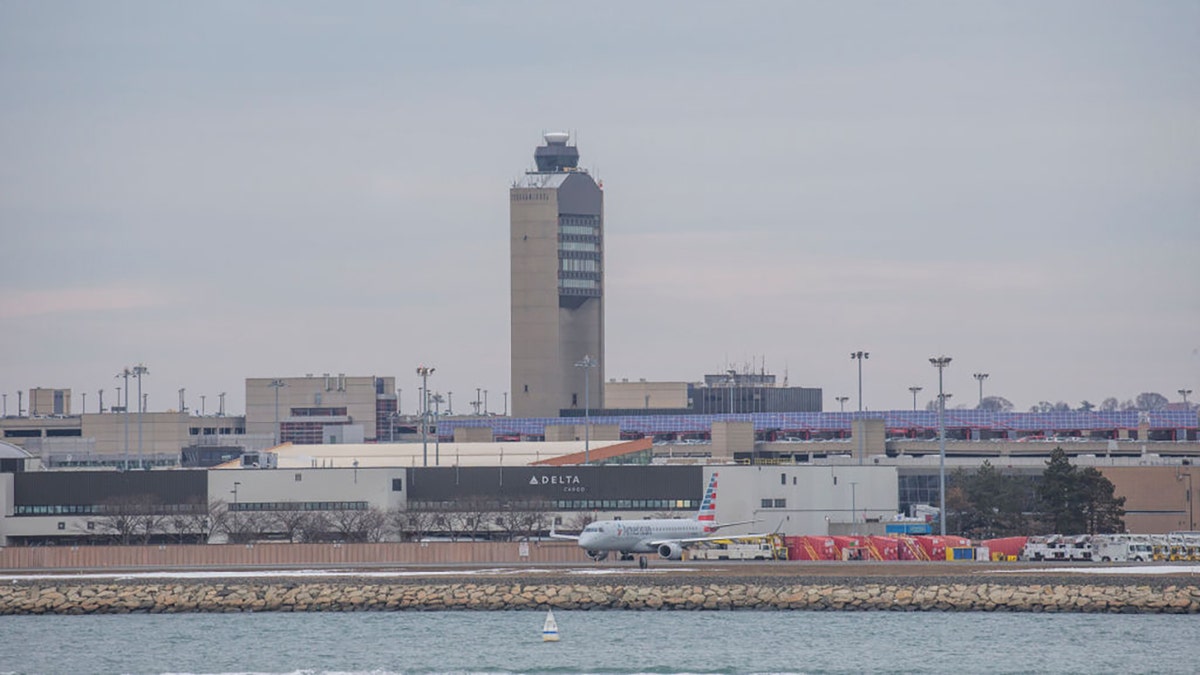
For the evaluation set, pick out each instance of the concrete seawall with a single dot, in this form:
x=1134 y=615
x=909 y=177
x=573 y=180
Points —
x=56 y=597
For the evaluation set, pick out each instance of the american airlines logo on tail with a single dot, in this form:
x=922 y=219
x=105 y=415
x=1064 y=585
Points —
x=708 y=507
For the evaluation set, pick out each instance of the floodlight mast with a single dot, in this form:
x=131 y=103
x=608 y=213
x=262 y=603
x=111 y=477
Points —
x=424 y=372
x=941 y=362
x=587 y=363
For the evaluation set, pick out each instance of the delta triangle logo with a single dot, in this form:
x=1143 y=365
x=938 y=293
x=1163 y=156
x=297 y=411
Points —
x=533 y=480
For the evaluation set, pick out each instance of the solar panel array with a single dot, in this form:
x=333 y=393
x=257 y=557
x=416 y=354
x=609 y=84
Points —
x=837 y=421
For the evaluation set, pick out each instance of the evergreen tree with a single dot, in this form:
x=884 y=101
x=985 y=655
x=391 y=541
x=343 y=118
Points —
x=1103 y=512
x=1078 y=502
x=988 y=503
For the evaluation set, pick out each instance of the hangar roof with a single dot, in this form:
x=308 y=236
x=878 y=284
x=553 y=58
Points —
x=292 y=456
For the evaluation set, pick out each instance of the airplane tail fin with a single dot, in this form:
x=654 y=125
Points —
x=708 y=507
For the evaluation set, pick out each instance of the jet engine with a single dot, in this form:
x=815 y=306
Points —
x=597 y=555
x=670 y=550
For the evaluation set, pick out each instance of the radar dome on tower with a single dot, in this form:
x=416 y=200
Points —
x=556 y=155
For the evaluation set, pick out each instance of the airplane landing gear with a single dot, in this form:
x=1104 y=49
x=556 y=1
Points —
x=642 y=562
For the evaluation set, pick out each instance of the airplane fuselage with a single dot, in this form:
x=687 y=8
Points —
x=638 y=536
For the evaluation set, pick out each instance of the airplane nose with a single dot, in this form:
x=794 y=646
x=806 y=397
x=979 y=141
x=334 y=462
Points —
x=586 y=539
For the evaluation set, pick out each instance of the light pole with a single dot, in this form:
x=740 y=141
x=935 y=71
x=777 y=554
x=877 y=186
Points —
x=980 y=377
x=5 y=399
x=125 y=373
x=853 y=507
x=842 y=402
x=485 y=412
x=1184 y=393
x=914 y=391
x=277 y=385
x=506 y=404
x=425 y=372
x=83 y=404
x=221 y=404
x=860 y=357
x=234 y=491
x=203 y=398
x=140 y=370
x=940 y=362
x=449 y=403
x=587 y=363
x=1188 y=476
x=478 y=400
x=732 y=385
x=437 y=434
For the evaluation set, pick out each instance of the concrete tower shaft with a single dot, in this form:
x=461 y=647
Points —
x=557 y=284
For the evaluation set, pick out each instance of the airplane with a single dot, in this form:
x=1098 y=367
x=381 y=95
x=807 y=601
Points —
x=665 y=536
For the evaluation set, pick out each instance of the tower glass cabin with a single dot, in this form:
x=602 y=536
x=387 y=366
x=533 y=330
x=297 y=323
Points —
x=557 y=283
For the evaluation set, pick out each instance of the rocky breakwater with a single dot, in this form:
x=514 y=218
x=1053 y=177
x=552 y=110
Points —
x=1140 y=596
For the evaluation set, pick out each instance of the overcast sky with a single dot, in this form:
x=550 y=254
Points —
x=250 y=189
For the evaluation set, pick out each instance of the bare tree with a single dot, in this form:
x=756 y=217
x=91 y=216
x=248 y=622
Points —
x=472 y=517
x=358 y=524
x=581 y=520
x=131 y=519
x=412 y=523
x=374 y=525
x=245 y=526
x=291 y=522
x=995 y=404
x=200 y=521
x=317 y=527
x=1149 y=400
x=523 y=519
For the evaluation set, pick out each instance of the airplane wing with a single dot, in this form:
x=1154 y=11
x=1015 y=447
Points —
x=697 y=540
x=717 y=526
x=569 y=537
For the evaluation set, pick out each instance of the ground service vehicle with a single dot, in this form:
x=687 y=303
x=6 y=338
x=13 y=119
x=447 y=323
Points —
x=759 y=551
x=1122 y=548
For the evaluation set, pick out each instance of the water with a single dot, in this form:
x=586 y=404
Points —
x=601 y=642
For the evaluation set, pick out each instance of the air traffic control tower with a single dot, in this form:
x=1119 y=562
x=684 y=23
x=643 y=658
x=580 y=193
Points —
x=557 y=258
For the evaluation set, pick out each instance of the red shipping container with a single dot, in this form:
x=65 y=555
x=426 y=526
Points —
x=884 y=548
x=811 y=548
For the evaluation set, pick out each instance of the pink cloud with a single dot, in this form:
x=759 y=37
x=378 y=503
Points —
x=19 y=304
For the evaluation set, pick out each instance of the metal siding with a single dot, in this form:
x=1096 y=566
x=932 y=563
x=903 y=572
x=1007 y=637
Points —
x=571 y=482
x=95 y=487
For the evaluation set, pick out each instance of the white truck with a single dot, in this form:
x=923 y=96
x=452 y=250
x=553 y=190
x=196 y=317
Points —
x=1058 y=547
x=1122 y=548
x=759 y=551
